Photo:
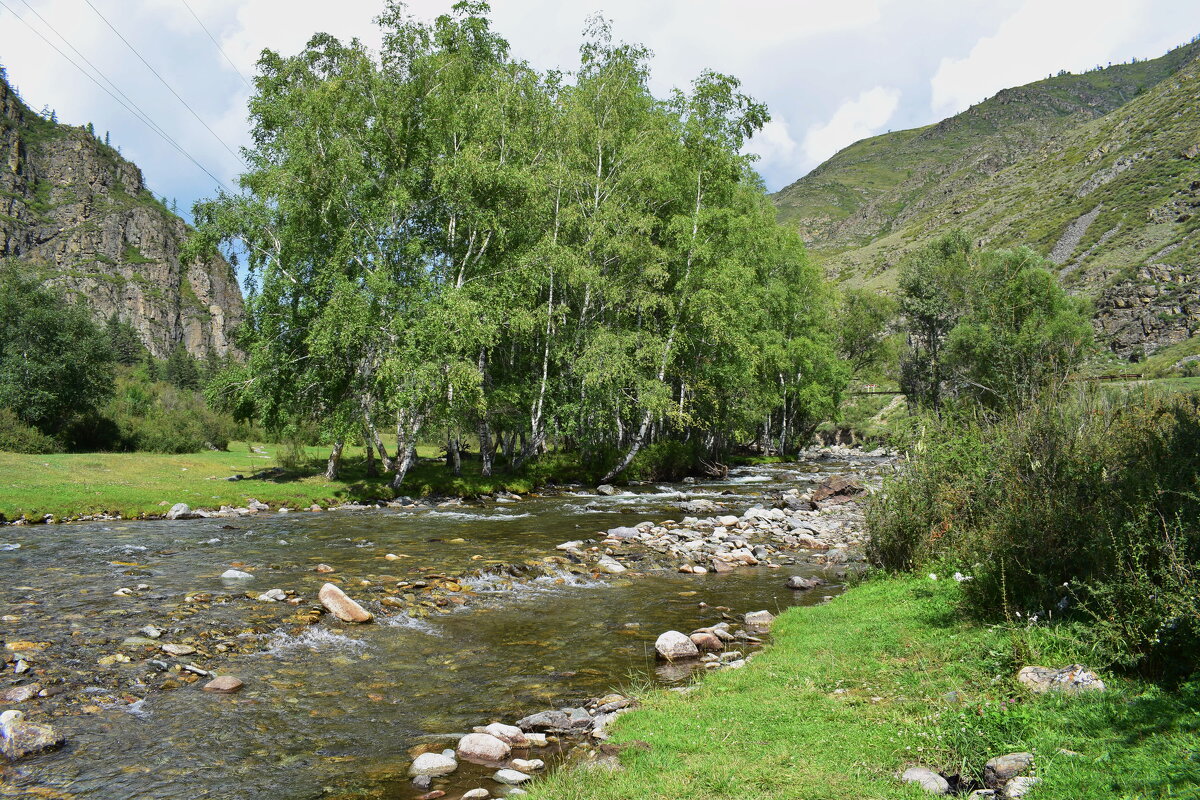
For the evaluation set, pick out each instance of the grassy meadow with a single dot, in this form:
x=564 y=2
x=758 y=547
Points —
x=885 y=677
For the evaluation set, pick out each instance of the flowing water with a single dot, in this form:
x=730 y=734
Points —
x=332 y=710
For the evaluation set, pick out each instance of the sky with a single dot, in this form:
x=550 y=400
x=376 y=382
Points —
x=830 y=71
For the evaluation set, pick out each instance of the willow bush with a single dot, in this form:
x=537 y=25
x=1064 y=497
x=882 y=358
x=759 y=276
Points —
x=1086 y=507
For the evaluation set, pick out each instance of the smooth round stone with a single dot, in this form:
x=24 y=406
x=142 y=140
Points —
x=483 y=747
x=510 y=777
x=225 y=684
x=432 y=764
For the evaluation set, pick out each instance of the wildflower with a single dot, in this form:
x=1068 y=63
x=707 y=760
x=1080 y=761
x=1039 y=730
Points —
x=958 y=576
x=932 y=577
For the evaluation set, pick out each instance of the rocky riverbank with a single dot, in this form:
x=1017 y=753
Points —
x=70 y=668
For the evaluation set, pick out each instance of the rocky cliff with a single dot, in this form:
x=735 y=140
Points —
x=80 y=216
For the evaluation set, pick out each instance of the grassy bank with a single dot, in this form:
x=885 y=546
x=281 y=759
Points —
x=134 y=484
x=854 y=691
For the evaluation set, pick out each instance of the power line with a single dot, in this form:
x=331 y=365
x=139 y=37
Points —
x=105 y=89
x=199 y=22
x=163 y=80
x=145 y=118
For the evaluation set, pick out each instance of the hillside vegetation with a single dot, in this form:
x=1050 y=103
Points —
x=1100 y=172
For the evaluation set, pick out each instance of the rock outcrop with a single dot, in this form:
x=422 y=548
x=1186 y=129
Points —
x=81 y=217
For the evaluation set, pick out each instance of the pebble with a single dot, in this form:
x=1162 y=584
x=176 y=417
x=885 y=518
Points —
x=178 y=649
x=150 y=632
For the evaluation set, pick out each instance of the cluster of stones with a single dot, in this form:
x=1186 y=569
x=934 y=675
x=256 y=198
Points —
x=1006 y=777
x=708 y=644
x=495 y=745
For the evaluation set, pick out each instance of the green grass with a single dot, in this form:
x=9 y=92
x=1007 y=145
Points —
x=134 y=484
x=854 y=691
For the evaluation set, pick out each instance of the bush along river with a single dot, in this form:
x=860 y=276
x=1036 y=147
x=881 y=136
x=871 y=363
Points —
x=485 y=612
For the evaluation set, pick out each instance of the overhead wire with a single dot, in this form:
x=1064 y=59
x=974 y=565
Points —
x=136 y=114
x=164 y=82
x=204 y=28
x=136 y=109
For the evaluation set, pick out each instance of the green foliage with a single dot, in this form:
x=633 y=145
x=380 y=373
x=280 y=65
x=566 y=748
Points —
x=126 y=344
x=443 y=238
x=1092 y=502
x=988 y=328
x=156 y=417
x=17 y=437
x=55 y=363
x=181 y=370
x=862 y=325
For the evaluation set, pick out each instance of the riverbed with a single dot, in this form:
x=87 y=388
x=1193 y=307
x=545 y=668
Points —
x=330 y=709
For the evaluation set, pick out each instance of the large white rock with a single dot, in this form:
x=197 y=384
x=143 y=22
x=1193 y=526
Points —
x=927 y=779
x=760 y=619
x=610 y=565
x=483 y=747
x=674 y=645
x=341 y=606
x=432 y=764
x=236 y=575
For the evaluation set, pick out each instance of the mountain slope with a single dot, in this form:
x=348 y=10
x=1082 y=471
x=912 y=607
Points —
x=1099 y=172
x=79 y=215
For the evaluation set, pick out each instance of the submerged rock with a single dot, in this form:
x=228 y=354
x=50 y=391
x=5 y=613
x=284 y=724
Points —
x=674 y=645
x=341 y=606
x=226 y=684
x=1075 y=678
x=19 y=738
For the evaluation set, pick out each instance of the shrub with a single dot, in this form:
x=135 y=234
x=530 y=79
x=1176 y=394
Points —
x=17 y=437
x=1088 y=502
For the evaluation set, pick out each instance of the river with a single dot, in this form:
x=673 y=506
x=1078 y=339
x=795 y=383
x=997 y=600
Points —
x=331 y=710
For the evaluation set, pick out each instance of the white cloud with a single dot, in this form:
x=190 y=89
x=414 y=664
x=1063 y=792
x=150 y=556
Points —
x=1039 y=39
x=855 y=119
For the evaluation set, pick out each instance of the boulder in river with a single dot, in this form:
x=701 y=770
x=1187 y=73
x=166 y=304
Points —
x=236 y=575
x=707 y=641
x=606 y=489
x=510 y=776
x=432 y=764
x=341 y=606
x=760 y=619
x=673 y=646
x=181 y=511
x=19 y=738
x=837 y=489
x=927 y=779
x=476 y=794
x=610 y=565
x=482 y=747
x=508 y=733
x=1075 y=678
x=623 y=532
x=802 y=583
x=226 y=684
